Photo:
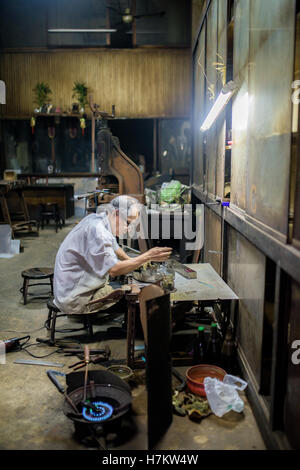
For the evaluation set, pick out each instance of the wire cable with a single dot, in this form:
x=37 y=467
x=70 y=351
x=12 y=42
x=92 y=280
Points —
x=24 y=346
x=33 y=355
x=59 y=350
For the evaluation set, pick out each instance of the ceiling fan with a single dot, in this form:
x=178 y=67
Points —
x=127 y=16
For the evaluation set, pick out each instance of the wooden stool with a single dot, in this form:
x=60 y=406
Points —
x=36 y=274
x=53 y=314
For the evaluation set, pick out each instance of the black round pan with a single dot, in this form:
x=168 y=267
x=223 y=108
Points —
x=103 y=386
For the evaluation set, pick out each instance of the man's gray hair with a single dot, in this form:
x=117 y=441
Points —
x=125 y=205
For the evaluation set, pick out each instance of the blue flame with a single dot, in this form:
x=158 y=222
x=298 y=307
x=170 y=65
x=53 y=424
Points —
x=105 y=412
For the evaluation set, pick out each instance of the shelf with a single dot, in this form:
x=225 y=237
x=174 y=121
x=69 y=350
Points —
x=29 y=116
x=79 y=116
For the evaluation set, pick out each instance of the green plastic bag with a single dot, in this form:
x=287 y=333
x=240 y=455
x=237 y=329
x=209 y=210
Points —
x=171 y=192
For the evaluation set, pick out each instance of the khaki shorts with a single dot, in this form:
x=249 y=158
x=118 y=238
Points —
x=99 y=294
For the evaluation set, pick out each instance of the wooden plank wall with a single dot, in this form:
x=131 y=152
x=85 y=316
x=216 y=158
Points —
x=140 y=82
x=198 y=7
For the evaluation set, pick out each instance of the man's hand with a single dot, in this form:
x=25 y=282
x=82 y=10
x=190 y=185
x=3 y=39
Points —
x=128 y=265
x=159 y=253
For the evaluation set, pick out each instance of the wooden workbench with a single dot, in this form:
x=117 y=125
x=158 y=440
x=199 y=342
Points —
x=208 y=289
x=208 y=286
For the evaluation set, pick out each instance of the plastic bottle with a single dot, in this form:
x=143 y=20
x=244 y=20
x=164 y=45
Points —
x=199 y=356
x=214 y=346
x=228 y=352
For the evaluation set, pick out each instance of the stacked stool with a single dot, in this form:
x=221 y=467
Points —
x=36 y=274
x=50 y=211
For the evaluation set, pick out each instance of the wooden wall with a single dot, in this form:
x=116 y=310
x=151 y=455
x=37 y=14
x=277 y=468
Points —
x=140 y=82
x=198 y=7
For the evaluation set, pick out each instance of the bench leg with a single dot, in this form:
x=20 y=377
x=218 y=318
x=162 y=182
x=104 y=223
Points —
x=131 y=333
x=48 y=322
x=51 y=283
x=53 y=323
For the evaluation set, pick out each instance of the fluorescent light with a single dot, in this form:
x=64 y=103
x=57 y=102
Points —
x=2 y=92
x=82 y=30
x=219 y=105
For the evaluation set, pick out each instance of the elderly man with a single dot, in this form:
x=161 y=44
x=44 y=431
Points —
x=90 y=254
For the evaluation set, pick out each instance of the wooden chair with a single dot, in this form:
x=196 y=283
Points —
x=14 y=208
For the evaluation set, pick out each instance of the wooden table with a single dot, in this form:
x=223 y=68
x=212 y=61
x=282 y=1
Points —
x=208 y=289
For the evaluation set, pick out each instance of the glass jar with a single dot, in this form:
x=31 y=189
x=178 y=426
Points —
x=168 y=276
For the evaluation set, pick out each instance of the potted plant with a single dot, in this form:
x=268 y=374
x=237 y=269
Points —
x=42 y=95
x=80 y=91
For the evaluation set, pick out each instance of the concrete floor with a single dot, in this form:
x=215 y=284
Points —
x=31 y=407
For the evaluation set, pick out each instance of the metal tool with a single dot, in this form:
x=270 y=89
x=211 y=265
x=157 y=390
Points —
x=178 y=376
x=139 y=347
x=13 y=344
x=184 y=270
x=79 y=351
x=38 y=363
x=86 y=195
x=87 y=361
x=95 y=359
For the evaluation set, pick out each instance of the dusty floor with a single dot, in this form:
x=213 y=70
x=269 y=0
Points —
x=31 y=415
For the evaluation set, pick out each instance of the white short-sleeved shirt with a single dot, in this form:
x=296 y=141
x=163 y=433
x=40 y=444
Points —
x=82 y=263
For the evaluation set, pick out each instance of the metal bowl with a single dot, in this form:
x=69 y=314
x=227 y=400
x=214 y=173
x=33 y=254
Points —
x=124 y=372
x=195 y=377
